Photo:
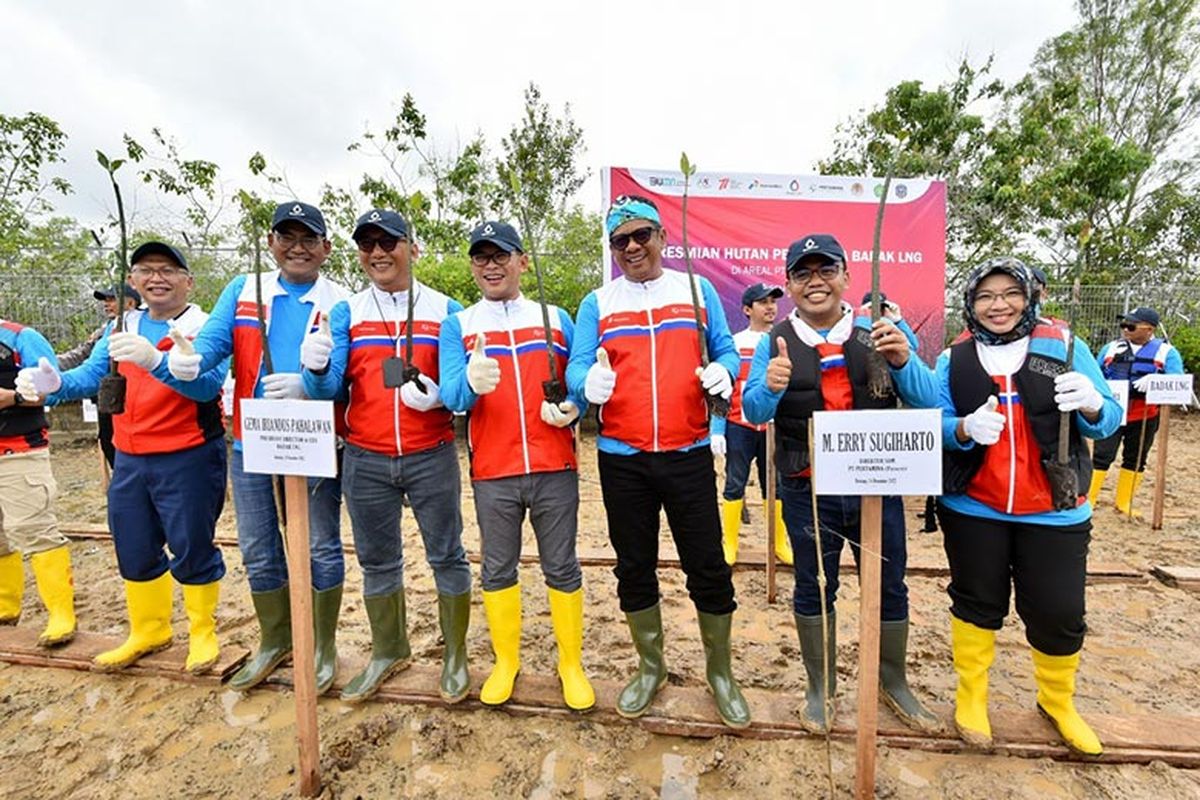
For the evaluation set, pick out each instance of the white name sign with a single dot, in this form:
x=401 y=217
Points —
x=1169 y=390
x=289 y=437
x=90 y=412
x=878 y=452
x=1120 y=391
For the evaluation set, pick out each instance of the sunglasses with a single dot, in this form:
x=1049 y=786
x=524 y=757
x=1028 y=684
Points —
x=641 y=236
x=386 y=243
x=1129 y=326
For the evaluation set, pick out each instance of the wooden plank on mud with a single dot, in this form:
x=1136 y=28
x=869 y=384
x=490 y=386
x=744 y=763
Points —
x=1181 y=577
x=689 y=711
x=755 y=560
x=18 y=645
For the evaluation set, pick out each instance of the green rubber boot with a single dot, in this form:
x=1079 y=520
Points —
x=645 y=627
x=389 y=645
x=454 y=614
x=822 y=683
x=731 y=705
x=893 y=679
x=274 y=611
x=327 y=604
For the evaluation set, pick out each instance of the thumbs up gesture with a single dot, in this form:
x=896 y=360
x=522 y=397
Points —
x=183 y=362
x=601 y=380
x=316 y=347
x=985 y=423
x=483 y=373
x=39 y=381
x=779 y=368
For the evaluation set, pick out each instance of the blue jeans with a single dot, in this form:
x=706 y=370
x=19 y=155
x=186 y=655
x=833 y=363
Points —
x=261 y=542
x=839 y=519
x=743 y=445
x=151 y=513
x=375 y=488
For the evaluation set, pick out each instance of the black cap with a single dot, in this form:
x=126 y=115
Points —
x=111 y=294
x=867 y=298
x=158 y=249
x=386 y=221
x=815 y=244
x=1039 y=276
x=760 y=291
x=501 y=234
x=295 y=211
x=1141 y=314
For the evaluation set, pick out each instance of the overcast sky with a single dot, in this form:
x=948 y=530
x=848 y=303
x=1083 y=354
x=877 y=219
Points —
x=743 y=86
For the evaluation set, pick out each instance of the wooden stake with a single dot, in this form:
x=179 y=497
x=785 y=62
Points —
x=869 y=578
x=1160 y=468
x=105 y=475
x=770 y=515
x=300 y=592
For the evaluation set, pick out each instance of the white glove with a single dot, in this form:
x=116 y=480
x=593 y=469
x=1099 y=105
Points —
x=600 y=381
x=1142 y=384
x=417 y=400
x=561 y=415
x=716 y=380
x=183 y=362
x=316 y=347
x=39 y=381
x=483 y=373
x=985 y=423
x=1074 y=391
x=283 y=386
x=717 y=443
x=133 y=348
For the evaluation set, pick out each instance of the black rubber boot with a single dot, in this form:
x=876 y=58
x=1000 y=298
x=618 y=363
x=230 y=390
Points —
x=389 y=645
x=274 y=611
x=822 y=683
x=731 y=705
x=327 y=604
x=893 y=679
x=645 y=627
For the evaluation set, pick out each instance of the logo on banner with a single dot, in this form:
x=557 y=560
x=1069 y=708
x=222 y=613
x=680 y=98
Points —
x=703 y=183
x=856 y=189
x=901 y=191
x=794 y=186
x=879 y=190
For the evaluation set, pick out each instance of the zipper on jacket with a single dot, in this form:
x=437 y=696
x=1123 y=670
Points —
x=520 y=389
x=653 y=365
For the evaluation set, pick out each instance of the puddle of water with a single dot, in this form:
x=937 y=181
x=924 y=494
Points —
x=679 y=782
x=545 y=788
x=241 y=710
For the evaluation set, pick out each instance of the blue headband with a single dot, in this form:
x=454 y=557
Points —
x=622 y=212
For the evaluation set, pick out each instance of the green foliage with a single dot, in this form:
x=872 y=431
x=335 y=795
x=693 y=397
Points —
x=1187 y=342
x=28 y=146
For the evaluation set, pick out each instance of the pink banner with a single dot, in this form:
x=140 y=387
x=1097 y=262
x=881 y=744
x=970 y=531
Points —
x=740 y=226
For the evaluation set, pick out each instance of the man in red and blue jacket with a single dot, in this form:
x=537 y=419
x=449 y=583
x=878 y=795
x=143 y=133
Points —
x=637 y=357
x=1137 y=355
x=295 y=298
x=168 y=481
x=399 y=443
x=494 y=361
x=27 y=486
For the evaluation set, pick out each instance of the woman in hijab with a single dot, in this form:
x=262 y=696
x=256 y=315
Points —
x=1012 y=514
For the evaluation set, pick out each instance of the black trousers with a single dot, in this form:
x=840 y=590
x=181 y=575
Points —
x=105 y=423
x=1046 y=566
x=1127 y=438
x=635 y=488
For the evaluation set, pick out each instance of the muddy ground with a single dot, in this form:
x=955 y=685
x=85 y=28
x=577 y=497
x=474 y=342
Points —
x=82 y=735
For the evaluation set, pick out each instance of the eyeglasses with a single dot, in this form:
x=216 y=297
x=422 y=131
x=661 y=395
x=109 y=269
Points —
x=165 y=272
x=1011 y=297
x=499 y=258
x=1129 y=326
x=386 y=243
x=826 y=272
x=641 y=236
x=309 y=241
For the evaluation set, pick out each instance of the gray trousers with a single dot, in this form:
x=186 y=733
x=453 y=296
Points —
x=552 y=499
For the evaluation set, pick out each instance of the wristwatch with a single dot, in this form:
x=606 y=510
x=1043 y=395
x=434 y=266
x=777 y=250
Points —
x=17 y=398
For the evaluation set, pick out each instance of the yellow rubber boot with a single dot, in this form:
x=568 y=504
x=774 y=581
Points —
x=200 y=602
x=783 y=545
x=1127 y=485
x=56 y=585
x=974 y=650
x=503 y=609
x=1055 y=698
x=149 y=604
x=566 y=614
x=12 y=588
x=1098 y=476
x=731 y=526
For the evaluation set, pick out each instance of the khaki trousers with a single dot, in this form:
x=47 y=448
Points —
x=27 y=491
